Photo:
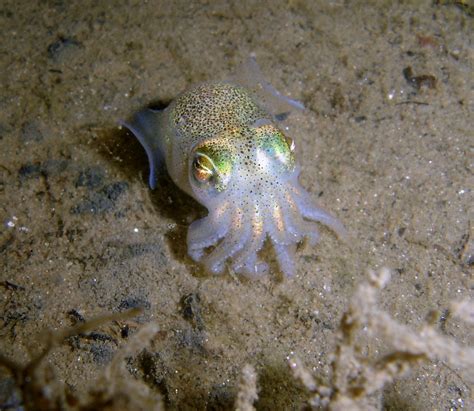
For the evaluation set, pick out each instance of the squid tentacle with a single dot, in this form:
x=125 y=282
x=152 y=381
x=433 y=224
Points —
x=206 y=232
x=275 y=224
x=247 y=257
x=285 y=255
x=311 y=211
x=240 y=230
x=292 y=220
x=230 y=245
x=295 y=225
x=254 y=267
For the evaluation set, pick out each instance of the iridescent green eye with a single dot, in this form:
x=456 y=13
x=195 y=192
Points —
x=203 y=168
x=212 y=165
x=276 y=144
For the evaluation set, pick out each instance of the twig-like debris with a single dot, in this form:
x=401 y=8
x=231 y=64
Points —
x=464 y=310
x=116 y=378
x=357 y=379
x=40 y=390
x=247 y=394
x=53 y=339
x=301 y=373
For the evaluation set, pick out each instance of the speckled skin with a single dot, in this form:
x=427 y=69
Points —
x=222 y=146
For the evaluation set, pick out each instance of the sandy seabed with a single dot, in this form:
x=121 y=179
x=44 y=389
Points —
x=385 y=145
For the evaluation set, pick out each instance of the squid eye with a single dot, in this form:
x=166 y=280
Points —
x=211 y=166
x=203 y=168
x=275 y=145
